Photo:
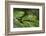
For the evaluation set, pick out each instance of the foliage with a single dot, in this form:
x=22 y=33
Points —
x=25 y=17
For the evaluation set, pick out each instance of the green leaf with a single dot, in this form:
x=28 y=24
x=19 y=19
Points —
x=27 y=17
x=17 y=23
x=36 y=23
x=34 y=18
x=26 y=24
x=18 y=14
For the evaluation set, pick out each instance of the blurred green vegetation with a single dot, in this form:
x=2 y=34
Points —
x=25 y=17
